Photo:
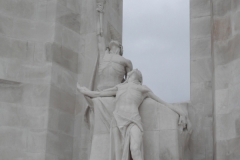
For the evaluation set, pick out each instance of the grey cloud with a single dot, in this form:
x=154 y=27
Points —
x=156 y=39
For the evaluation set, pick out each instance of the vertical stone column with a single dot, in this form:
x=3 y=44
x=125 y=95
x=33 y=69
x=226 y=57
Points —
x=46 y=47
x=26 y=35
x=64 y=75
x=87 y=61
x=39 y=46
x=226 y=43
x=201 y=107
x=224 y=48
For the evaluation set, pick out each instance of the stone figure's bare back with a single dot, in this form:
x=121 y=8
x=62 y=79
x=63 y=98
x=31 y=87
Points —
x=130 y=96
x=111 y=71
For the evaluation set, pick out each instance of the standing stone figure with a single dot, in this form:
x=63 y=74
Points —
x=113 y=67
x=129 y=96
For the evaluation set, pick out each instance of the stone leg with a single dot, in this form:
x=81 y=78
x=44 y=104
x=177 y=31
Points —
x=136 y=143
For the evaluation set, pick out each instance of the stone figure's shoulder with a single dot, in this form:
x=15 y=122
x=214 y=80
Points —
x=123 y=60
x=145 y=89
x=126 y=60
x=106 y=56
x=120 y=85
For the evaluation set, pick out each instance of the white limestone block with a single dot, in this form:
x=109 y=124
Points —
x=200 y=8
x=201 y=27
x=13 y=138
x=200 y=48
x=36 y=141
x=62 y=100
x=6 y=25
x=59 y=144
x=68 y=18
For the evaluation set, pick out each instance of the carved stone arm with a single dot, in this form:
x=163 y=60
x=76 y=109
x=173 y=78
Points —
x=150 y=94
x=183 y=116
x=109 y=92
x=94 y=94
x=88 y=93
x=179 y=111
x=129 y=66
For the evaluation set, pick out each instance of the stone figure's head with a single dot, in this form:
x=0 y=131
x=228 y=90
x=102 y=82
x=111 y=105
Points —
x=100 y=6
x=115 y=48
x=134 y=75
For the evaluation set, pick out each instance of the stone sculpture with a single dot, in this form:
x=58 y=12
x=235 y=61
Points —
x=122 y=133
x=112 y=70
x=113 y=67
x=100 y=9
x=129 y=96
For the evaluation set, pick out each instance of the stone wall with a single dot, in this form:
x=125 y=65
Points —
x=39 y=46
x=26 y=35
x=46 y=47
x=201 y=107
x=64 y=51
x=226 y=50
x=215 y=52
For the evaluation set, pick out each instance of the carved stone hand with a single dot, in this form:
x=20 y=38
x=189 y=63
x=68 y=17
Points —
x=182 y=121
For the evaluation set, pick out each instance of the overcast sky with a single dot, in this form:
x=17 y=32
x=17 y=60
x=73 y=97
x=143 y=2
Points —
x=156 y=40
